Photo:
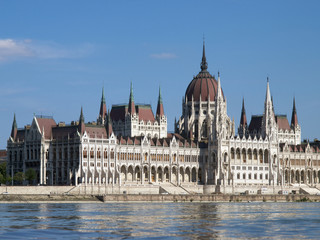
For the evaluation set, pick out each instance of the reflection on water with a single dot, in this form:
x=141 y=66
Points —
x=160 y=220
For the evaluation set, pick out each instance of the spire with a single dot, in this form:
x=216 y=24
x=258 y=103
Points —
x=109 y=124
x=294 y=117
x=14 y=127
x=131 y=108
x=268 y=121
x=268 y=95
x=81 y=122
x=243 y=119
x=160 y=111
x=219 y=91
x=204 y=64
x=81 y=119
x=103 y=109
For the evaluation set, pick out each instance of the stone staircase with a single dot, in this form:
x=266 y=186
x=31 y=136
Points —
x=169 y=188
x=305 y=189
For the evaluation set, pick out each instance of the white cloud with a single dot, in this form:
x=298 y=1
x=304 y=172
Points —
x=11 y=49
x=163 y=56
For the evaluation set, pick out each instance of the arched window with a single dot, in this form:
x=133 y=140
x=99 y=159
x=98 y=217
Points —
x=232 y=153
x=260 y=156
x=238 y=153
x=244 y=157
x=112 y=154
x=249 y=154
x=255 y=154
x=85 y=153
x=91 y=153
x=266 y=156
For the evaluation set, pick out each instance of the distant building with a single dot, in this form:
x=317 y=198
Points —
x=3 y=155
x=130 y=144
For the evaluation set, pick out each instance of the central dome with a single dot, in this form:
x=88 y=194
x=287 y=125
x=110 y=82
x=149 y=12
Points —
x=204 y=85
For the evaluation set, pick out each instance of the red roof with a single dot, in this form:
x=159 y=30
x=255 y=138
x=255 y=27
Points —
x=282 y=122
x=202 y=86
x=46 y=124
x=96 y=131
x=118 y=112
x=63 y=132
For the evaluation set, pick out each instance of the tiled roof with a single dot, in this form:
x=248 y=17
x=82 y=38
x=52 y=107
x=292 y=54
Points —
x=255 y=123
x=165 y=142
x=62 y=132
x=20 y=135
x=96 y=131
x=46 y=124
x=118 y=112
x=202 y=86
x=283 y=122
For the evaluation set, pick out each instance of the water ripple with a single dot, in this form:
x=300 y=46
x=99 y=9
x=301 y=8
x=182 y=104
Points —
x=160 y=221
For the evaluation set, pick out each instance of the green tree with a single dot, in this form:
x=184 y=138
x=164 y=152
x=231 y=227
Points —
x=31 y=175
x=3 y=172
x=2 y=179
x=18 y=177
x=3 y=168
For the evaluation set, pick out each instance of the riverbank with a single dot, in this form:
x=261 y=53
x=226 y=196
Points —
x=41 y=198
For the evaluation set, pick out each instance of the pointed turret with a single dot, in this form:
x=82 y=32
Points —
x=294 y=117
x=103 y=109
x=160 y=111
x=268 y=121
x=219 y=91
x=204 y=64
x=109 y=125
x=131 y=107
x=81 y=122
x=14 y=129
x=243 y=119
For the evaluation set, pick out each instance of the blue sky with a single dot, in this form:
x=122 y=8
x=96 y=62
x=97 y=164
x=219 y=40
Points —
x=55 y=56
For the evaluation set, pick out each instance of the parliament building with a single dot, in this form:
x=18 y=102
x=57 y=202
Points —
x=130 y=145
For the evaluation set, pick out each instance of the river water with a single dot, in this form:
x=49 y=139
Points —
x=160 y=220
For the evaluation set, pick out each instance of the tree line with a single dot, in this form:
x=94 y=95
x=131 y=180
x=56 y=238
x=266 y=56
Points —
x=18 y=178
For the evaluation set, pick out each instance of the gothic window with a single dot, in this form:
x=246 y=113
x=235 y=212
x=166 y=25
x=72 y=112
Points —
x=98 y=153
x=238 y=153
x=249 y=154
x=260 y=156
x=112 y=154
x=91 y=153
x=204 y=129
x=85 y=153
x=232 y=153
x=225 y=157
x=266 y=156
x=244 y=158
x=255 y=154
x=196 y=129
